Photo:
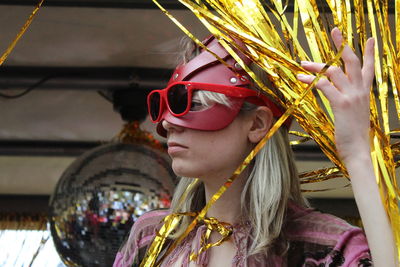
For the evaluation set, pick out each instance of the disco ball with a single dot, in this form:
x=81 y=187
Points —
x=101 y=195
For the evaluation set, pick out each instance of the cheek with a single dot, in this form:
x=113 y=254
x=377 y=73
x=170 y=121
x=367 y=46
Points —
x=221 y=155
x=204 y=157
x=212 y=153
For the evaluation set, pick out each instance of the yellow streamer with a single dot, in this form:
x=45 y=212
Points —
x=21 y=32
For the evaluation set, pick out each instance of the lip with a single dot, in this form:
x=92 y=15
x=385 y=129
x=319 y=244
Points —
x=174 y=148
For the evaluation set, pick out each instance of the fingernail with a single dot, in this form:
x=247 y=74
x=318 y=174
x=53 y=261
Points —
x=303 y=63
x=301 y=76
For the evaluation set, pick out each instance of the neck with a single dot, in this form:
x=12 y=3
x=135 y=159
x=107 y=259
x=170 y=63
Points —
x=228 y=207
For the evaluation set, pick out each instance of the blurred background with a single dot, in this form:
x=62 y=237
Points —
x=77 y=78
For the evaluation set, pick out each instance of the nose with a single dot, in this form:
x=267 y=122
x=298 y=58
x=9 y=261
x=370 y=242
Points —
x=168 y=126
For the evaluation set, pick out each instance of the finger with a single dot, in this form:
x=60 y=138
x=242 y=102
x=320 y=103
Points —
x=324 y=85
x=335 y=74
x=312 y=66
x=308 y=79
x=351 y=61
x=368 y=70
x=337 y=37
x=338 y=78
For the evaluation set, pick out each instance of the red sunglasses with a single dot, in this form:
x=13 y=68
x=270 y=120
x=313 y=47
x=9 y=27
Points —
x=177 y=97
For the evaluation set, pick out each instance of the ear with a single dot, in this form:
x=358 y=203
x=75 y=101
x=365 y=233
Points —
x=261 y=123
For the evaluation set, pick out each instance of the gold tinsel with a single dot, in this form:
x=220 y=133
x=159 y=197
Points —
x=271 y=35
x=20 y=33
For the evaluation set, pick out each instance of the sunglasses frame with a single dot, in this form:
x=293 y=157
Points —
x=231 y=91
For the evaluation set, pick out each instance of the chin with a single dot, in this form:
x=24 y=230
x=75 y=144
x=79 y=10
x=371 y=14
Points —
x=181 y=172
x=184 y=170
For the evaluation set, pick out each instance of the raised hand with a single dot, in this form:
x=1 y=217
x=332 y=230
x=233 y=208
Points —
x=348 y=93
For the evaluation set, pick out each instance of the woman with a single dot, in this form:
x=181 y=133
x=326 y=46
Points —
x=212 y=121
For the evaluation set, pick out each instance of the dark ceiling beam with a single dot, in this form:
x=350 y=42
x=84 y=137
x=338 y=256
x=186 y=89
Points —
x=89 y=78
x=24 y=204
x=38 y=204
x=131 y=4
x=45 y=148
x=76 y=148
x=85 y=78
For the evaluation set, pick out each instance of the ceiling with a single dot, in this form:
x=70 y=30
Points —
x=77 y=49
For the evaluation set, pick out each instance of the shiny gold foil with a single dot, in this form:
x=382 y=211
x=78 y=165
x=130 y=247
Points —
x=21 y=32
x=212 y=224
x=304 y=137
x=272 y=40
x=170 y=223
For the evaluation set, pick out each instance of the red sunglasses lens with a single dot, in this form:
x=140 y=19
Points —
x=178 y=98
x=155 y=104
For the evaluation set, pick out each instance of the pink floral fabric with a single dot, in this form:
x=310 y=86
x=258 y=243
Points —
x=315 y=239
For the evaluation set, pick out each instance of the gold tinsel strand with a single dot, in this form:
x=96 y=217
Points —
x=277 y=51
x=21 y=33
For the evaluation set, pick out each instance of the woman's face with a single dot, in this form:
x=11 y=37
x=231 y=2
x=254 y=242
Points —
x=209 y=154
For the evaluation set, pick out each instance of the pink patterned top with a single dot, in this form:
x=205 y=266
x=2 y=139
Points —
x=315 y=239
